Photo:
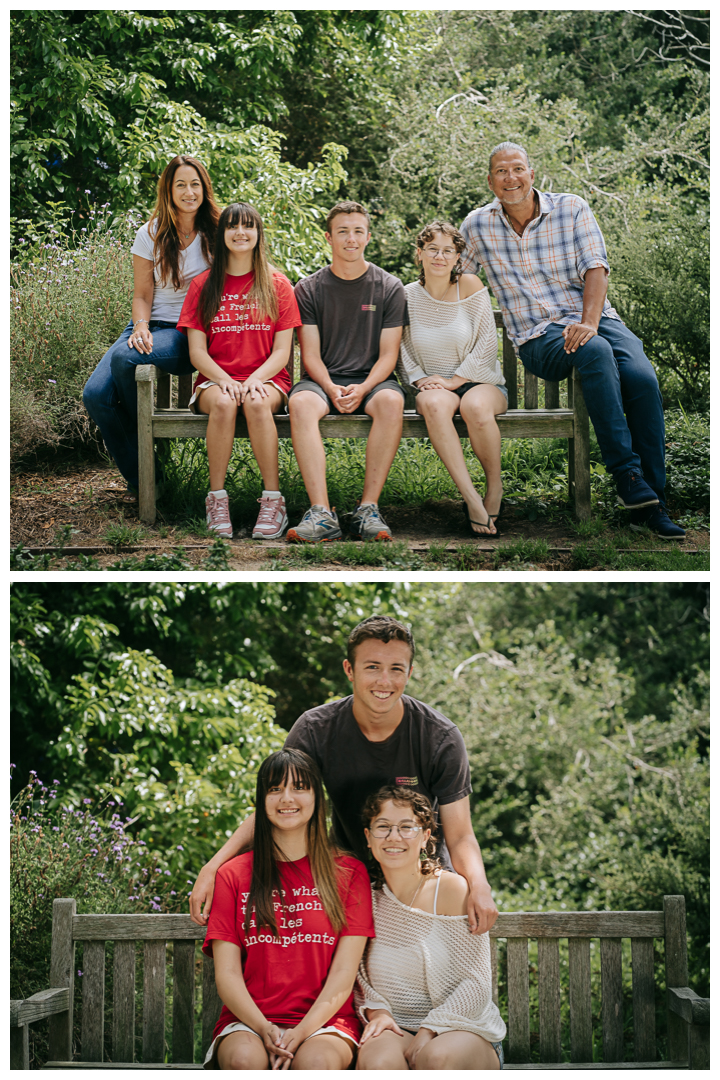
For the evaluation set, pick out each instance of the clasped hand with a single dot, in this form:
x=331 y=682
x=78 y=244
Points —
x=240 y=390
x=347 y=399
x=281 y=1045
x=577 y=334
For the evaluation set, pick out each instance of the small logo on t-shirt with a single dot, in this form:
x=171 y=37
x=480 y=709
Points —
x=406 y=781
x=369 y=307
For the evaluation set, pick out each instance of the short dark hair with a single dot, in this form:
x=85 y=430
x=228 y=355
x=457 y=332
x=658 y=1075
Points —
x=381 y=628
x=508 y=146
x=346 y=207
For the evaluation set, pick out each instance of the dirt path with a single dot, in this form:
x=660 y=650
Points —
x=79 y=505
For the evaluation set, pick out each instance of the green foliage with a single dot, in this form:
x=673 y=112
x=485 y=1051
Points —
x=218 y=556
x=183 y=759
x=59 y=850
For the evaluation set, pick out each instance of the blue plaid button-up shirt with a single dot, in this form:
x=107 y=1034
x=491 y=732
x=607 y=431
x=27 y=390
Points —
x=537 y=278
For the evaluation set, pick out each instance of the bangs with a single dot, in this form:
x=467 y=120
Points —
x=284 y=765
x=241 y=214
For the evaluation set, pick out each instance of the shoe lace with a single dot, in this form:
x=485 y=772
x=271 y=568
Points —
x=268 y=510
x=218 y=511
x=318 y=513
x=368 y=512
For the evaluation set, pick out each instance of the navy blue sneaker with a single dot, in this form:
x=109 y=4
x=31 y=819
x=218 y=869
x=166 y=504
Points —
x=656 y=519
x=633 y=492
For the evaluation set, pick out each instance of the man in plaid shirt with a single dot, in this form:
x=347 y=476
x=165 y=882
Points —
x=545 y=260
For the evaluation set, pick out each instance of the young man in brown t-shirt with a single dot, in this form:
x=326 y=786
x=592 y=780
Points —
x=353 y=314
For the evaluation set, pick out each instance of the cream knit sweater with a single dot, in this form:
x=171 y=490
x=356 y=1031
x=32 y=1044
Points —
x=447 y=338
x=427 y=971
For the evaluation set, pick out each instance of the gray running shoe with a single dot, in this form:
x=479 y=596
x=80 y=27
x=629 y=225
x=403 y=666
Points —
x=318 y=526
x=367 y=523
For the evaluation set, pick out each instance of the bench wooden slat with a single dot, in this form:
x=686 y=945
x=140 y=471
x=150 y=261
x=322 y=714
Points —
x=580 y=999
x=552 y=394
x=676 y=969
x=62 y=974
x=211 y=1003
x=135 y=927
x=643 y=984
x=612 y=999
x=518 y=984
x=163 y=390
x=154 y=1001
x=518 y=423
x=549 y=998
x=185 y=384
x=561 y=924
x=93 y=999
x=530 y=390
x=183 y=1012
x=494 y=968
x=537 y=1065
x=124 y=1001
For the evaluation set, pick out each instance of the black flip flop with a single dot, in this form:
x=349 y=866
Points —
x=484 y=524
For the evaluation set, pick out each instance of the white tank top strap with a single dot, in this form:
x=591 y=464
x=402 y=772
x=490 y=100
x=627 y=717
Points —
x=437 y=888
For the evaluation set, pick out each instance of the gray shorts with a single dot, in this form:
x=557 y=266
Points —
x=345 y=380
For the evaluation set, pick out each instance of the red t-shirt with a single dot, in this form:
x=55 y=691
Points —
x=238 y=339
x=284 y=976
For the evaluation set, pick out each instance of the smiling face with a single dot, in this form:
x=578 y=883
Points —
x=380 y=674
x=187 y=190
x=289 y=803
x=438 y=256
x=241 y=239
x=511 y=178
x=396 y=851
x=349 y=237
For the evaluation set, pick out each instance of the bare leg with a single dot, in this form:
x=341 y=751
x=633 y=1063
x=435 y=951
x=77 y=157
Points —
x=306 y=411
x=386 y=410
x=241 y=1049
x=385 y=1051
x=324 y=1052
x=478 y=408
x=438 y=407
x=221 y=411
x=457 y=1050
x=263 y=434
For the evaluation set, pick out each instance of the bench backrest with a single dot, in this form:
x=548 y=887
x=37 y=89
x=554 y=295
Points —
x=294 y=367
x=510 y=964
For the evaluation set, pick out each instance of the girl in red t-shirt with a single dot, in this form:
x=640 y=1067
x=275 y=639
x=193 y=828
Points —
x=239 y=317
x=287 y=929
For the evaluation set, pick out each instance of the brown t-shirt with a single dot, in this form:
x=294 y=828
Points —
x=425 y=751
x=350 y=315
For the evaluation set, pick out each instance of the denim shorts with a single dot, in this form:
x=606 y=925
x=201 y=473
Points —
x=461 y=390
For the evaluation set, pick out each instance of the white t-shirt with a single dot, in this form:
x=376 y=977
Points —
x=168 y=301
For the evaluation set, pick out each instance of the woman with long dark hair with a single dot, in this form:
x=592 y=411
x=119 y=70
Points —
x=425 y=983
x=171 y=249
x=239 y=318
x=287 y=929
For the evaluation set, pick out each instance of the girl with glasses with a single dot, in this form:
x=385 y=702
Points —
x=449 y=354
x=424 y=987
x=287 y=929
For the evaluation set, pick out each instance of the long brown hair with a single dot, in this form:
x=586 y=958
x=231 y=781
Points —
x=166 y=241
x=262 y=294
x=265 y=876
x=419 y=806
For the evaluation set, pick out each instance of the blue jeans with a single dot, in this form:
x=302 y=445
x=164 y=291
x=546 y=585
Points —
x=621 y=393
x=110 y=394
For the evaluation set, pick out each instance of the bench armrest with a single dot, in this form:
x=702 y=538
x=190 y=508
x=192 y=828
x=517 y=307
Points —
x=146 y=373
x=39 y=1006
x=686 y=1003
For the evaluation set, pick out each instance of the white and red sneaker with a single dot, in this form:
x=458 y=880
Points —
x=217 y=514
x=272 y=520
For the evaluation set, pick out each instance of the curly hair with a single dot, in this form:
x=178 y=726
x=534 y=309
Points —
x=419 y=806
x=425 y=236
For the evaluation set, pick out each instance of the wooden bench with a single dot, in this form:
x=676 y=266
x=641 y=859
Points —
x=163 y=419
x=688 y=1016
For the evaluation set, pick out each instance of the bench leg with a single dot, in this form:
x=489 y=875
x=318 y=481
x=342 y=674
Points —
x=146 y=452
x=19 y=1048
x=579 y=452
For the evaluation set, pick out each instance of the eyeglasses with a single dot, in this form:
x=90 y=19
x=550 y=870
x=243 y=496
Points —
x=435 y=252
x=407 y=832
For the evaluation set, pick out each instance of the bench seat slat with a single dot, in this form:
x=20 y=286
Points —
x=643 y=984
x=135 y=927
x=154 y=1001
x=539 y=924
x=183 y=1009
x=580 y=999
x=93 y=1000
x=124 y=1001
